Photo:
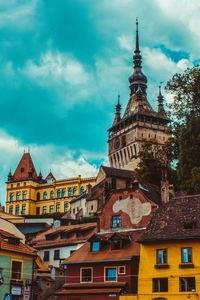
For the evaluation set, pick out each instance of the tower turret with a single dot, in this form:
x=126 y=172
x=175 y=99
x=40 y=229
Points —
x=160 y=100
x=117 y=112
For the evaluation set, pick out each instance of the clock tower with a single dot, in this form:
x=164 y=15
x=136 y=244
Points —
x=139 y=121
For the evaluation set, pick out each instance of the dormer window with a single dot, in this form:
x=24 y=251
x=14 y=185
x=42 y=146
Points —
x=49 y=180
x=95 y=246
x=116 y=245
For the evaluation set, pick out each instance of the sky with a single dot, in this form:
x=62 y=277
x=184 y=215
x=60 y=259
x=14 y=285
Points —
x=62 y=65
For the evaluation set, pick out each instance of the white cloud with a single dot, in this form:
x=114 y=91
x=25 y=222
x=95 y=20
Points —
x=17 y=15
x=126 y=42
x=57 y=67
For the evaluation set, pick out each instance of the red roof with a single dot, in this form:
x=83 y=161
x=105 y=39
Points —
x=25 y=169
x=87 y=229
x=84 y=255
x=7 y=246
x=50 y=175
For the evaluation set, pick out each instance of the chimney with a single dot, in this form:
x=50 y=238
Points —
x=164 y=187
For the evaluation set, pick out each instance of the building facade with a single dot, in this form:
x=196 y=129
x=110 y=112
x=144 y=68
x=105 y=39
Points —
x=30 y=194
x=139 y=122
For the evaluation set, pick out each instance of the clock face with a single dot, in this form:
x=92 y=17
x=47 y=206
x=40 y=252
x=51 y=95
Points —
x=116 y=142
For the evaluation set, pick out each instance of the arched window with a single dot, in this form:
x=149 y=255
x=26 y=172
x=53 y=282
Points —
x=70 y=191
x=11 y=210
x=11 y=197
x=74 y=191
x=24 y=195
x=63 y=192
x=45 y=195
x=52 y=194
x=18 y=195
x=82 y=190
x=58 y=193
x=38 y=196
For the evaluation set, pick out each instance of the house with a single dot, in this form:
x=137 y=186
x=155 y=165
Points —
x=107 y=264
x=57 y=243
x=169 y=257
x=16 y=266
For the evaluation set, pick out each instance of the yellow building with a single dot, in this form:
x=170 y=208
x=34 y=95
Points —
x=169 y=258
x=30 y=194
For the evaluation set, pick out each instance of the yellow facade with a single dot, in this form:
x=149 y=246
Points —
x=175 y=270
x=28 y=197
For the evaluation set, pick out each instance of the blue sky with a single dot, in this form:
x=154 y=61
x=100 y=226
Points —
x=62 y=64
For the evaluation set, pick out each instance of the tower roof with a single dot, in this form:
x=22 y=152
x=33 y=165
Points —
x=50 y=175
x=25 y=169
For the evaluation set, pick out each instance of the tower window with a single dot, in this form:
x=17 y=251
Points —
x=63 y=192
x=70 y=191
x=58 y=194
x=11 y=197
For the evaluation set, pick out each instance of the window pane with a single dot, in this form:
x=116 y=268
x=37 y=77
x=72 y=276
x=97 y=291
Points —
x=95 y=246
x=86 y=275
x=16 y=270
x=111 y=274
x=162 y=256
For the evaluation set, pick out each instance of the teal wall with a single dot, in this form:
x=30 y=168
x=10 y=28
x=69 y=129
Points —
x=5 y=264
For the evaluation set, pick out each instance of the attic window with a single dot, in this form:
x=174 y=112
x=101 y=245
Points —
x=116 y=245
x=22 y=170
x=190 y=225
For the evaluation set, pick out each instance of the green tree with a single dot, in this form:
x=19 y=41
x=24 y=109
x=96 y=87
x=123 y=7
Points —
x=185 y=113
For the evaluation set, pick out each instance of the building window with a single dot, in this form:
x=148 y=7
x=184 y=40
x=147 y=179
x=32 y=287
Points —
x=187 y=284
x=52 y=194
x=91 y=207
x=46 y=255
x=37 y=210
x=74 y=191
x=121 y=270
x=82 y=190
x=24 y=195
x=63 y=192
x=95 y=246
x=186 y=255
x=70 y=191
x=18 y=195
x=11 y=210
x=44 y=210
x=16 y=270
x=66 y=207
x=86 y=274
x=45 y=195
x=17 y=210
x=51 y=209
x=38 y=196
x=56 y=254
x=11 y=197
x=111 y=274
x=58 y=193
x=116 y=221
x=162 y=256
x=160 y=285
x=23 y=209
x=57 y=207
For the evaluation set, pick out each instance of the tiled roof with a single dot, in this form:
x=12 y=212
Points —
x=7 y=246
x=41 y=242
x=24 y=168
x=176 y=220
x=50 y=175
x=40 y=266
x=84 y=255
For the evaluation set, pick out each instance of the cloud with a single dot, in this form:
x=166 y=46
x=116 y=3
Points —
x=17 y=15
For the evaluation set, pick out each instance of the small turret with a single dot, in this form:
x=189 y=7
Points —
x=117 y=112
x=160 y=100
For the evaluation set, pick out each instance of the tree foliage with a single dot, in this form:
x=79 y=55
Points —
x=185 y=89
x=154 y=159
